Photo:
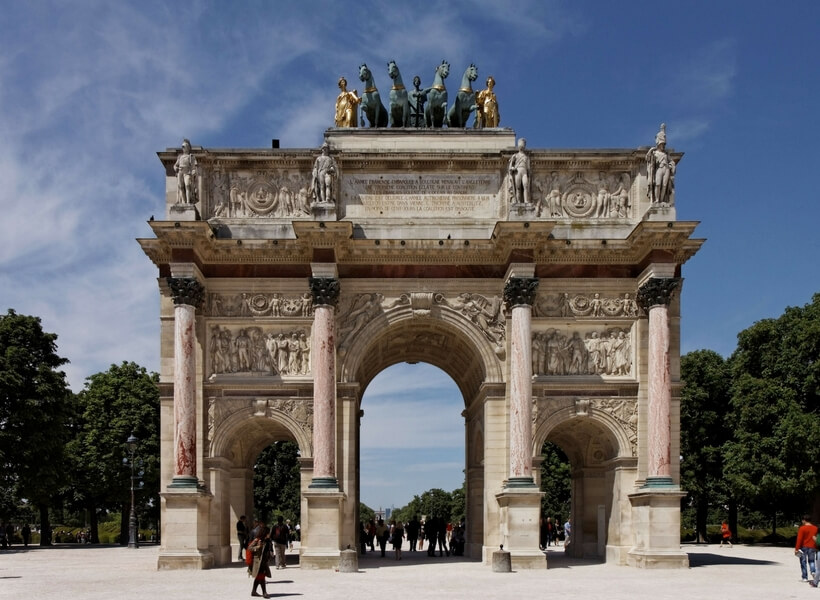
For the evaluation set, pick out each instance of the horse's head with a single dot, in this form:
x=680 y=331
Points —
x=471 y=72
x=443 y=70
x=364 y=72
x=392 y=69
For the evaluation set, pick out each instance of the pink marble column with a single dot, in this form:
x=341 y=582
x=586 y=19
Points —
x=654 y=297
x=187 y=293
x=325 y=292
x=519 y=293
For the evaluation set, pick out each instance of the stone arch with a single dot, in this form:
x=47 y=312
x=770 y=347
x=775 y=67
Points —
x=243 y=434
x=441 y=336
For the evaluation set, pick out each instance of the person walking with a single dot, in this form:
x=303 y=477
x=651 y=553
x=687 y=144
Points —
x=259 y=553
x=280 y=540
x=242 y=535
x=398 y=538
x=725 y=534
x=382 y=532
x=806 y=548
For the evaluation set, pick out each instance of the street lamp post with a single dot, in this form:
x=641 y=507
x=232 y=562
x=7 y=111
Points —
x=133 y=542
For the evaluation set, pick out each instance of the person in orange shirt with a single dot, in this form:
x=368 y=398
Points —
x=725 y=534
x=805 y=547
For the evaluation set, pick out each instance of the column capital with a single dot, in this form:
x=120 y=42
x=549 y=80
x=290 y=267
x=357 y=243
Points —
x=520 y=291
x=325 y=290
x=657 y=291
x=186 y=290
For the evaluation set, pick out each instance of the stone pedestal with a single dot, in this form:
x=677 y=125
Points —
x=520 y=509
x=183 y=212
x=184 y=537
x=656 y=523
x=321 y=539
x=520 y=211
x=323 y=211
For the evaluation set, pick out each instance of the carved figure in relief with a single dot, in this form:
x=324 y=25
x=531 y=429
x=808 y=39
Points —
x=399 y=102
x=519 y=171
x=417 y=99
x=363 y=309
x=304 y=347
x=307 y=304
x=619 y=199
x=347 y=106
x=486 y=113
x=436 y=110
x=220 y=196
x=630 y=307
x=372 y=105
x=186 y=169
x=554 y=353
x=487 y=314
x=465 y=102
x=604 y=196
x=660 y=170
x=324 y=173
x=237 y=202
x=243 y=345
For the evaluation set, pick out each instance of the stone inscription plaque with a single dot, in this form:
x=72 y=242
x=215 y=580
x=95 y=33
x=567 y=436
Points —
x=421 y=196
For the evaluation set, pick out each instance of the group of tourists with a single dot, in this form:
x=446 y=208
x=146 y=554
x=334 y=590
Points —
x=262 y=545
x=449 y=538
x=8 y=535
x=550 y=532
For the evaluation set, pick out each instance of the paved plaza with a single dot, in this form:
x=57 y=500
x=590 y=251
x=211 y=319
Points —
x=106 y=572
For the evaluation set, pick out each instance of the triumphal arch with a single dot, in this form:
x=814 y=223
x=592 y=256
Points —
x=544 y=282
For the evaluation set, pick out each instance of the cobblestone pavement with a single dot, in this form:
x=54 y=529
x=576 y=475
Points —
x=92 y=573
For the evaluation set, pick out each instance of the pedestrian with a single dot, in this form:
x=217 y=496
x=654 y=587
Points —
x=806 y=548
x=725 y=534
x=398 y=538
x=280 y=540
x=567 y=533
x=242 y=535
x=259 y=553
x=382 y=532
x=26 y=533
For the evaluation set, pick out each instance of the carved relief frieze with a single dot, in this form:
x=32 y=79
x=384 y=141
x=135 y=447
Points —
x=359 y=311
x=593 y=305
x=583 y=195
x=625 y=411
x=259 y=194
x=608 y=351
x=485 y=313
x=259 y=350
x=259 y=305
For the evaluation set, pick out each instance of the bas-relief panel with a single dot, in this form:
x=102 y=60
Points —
x=300 y=410
x=484 y=312
x=261 y=350
x=259 y=194
x=258 y=305
x=562 y=351
x=622 y=410
x=581 y=195
x=593 y=305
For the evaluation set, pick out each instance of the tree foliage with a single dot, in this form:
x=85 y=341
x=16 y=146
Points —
x=276 y=482
x=115 y=404
x=704 y=409
x=35 y=413
x=556 y=482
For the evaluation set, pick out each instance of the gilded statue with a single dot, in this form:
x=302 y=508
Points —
x=347 y=106
x=186 y=170
x=660 y=170
x=486 y=114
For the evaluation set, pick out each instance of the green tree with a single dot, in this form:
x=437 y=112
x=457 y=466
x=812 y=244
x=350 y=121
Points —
x=276 y=482
x=704 y=409
x=458 y=510
x=35 y=413
x=771 y=462
x=556 y=480
x=115 y=404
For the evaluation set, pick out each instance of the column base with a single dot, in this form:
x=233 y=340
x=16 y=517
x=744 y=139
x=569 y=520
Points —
x=656 y=526
x=521 y=483
x=324 y=483
x=185 y=520
x=180 y=482
x=519 y=516
x=659 y=482
x=323 y=526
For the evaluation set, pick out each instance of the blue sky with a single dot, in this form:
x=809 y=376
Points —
x=90 y=91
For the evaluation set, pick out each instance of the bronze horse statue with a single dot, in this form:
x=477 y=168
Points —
x=460 y=111
x=371 y=101
x=399 y=103
x=435 y=111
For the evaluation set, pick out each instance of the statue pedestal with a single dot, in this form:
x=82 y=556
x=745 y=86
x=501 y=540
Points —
x=520 y=211
x=519 y=516
x=323 y=211
x=661 y=212
x=321 y=528
x=656 y=523
x=184 y=538
x=183 y=212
